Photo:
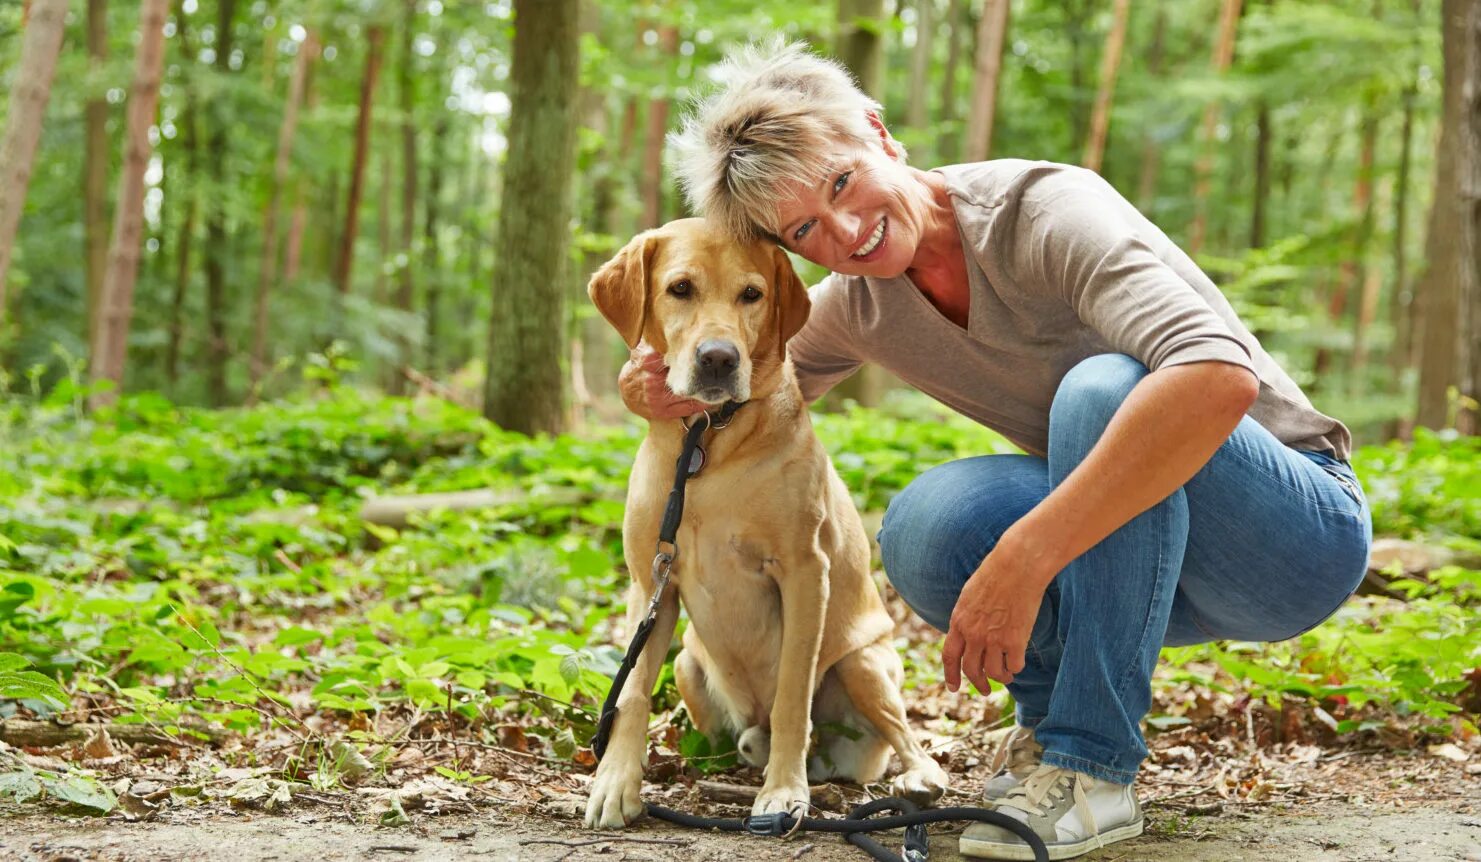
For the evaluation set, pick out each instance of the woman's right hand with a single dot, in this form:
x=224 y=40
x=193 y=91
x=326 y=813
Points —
x=644 y=387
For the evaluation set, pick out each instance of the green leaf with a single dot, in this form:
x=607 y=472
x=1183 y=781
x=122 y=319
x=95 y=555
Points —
x=21 y=785
x=81 y=790
x=30 y=684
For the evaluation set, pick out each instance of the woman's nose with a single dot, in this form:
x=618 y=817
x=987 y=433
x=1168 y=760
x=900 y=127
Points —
x=845 y=230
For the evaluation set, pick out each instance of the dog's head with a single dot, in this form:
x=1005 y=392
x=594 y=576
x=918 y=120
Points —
x=715 y=307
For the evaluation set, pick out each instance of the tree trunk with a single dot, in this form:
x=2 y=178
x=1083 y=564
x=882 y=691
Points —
x=860 y=45
x=1146 y=185
x=1100 y=118
x=95 y=173
x=1356 y=271
x=431 y=254
x=216 y=236
x=28 y=97
x=1262 y=175
x=957 y=24
x=525 y=386
x=1203 y=168
x=992 y=33
x=918 y=109
x=1401 y=300
x=190 y=143
x=658 y=120
x=267 y=272
x=1442 y=286
x=376 y=36
x=293 y=250
x=405 y=287
x=110 y=352
x=1468 y=163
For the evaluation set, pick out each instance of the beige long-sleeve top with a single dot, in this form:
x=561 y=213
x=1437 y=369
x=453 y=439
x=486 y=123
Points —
x=1060 y=267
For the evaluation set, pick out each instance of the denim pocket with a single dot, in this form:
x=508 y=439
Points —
x=1342 y=472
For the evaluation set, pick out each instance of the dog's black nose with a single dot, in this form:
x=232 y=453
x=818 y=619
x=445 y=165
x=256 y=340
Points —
x=717 y=359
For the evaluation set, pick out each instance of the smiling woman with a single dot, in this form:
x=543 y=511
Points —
x=1179 y=486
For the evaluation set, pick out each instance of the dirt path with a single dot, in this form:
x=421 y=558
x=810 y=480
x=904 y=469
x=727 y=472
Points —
x=1323 y=831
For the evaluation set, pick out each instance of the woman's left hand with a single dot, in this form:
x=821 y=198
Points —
x=992 y=622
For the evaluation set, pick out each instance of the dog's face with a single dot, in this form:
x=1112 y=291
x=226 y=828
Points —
x=713 y=306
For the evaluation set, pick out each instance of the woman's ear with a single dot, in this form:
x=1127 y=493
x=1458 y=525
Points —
x=620 y=288
x=792 y=304
x=892 y=147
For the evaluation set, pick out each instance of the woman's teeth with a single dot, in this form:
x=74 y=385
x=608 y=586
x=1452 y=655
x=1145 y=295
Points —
x=873 y=243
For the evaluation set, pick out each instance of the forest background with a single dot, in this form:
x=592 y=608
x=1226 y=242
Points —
x=272 y=273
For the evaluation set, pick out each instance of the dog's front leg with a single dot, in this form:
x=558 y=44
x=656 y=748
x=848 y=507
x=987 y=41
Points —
x=804 y=590
x=617 y=787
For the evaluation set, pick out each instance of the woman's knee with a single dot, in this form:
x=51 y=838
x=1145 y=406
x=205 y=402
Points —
x=1089 y=395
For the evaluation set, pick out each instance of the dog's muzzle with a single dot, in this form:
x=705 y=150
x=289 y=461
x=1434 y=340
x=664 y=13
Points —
x=715 y=362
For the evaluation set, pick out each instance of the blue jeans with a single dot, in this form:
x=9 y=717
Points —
x=1262 y=544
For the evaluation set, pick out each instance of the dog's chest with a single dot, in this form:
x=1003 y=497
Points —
x=727 y=584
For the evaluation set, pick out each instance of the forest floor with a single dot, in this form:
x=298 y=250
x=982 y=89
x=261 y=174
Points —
x=1346 y=805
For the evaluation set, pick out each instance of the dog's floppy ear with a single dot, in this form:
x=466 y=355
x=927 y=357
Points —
x=620 y=288
x=792 y=304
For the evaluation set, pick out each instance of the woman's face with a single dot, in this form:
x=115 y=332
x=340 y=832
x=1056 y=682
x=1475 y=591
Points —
x=864 y=218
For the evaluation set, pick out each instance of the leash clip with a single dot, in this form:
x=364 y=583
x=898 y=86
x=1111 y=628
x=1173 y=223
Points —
x=773 y=824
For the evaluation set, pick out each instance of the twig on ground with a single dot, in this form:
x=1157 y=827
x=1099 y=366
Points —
x=615 y=839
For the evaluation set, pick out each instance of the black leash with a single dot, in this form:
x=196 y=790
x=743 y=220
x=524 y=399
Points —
x=861 y=820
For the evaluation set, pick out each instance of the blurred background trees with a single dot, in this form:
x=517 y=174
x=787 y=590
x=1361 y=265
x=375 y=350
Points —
x=367 y=171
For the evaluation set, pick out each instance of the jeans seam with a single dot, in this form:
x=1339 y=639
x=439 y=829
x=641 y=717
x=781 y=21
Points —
x=1146 y=623
x=1260 y=468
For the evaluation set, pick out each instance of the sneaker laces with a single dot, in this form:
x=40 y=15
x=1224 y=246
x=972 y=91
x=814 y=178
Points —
x=1018 y=753
x=1050 y=784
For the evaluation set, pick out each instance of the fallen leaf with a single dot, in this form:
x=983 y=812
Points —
x=1449 y=751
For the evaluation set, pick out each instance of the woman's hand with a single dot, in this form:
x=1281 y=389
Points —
x=643 y=383
x=992 y=622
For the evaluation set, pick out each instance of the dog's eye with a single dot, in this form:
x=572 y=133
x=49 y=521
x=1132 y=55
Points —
x=750 y=294
x=681 y=288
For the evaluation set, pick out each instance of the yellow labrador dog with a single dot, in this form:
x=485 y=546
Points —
x=787 y=630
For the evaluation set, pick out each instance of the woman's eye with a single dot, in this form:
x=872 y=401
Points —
x=802 y=232
x=681 y=288
x=750 y=294
x=842 y=181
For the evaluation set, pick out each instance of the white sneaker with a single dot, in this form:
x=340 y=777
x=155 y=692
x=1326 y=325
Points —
x=1015 y=758
x=1071 y=811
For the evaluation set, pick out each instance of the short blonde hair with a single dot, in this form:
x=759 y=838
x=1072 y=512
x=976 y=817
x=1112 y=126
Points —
x=781 y=110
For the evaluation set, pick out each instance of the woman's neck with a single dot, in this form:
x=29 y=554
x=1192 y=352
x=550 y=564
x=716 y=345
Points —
x=939 y=267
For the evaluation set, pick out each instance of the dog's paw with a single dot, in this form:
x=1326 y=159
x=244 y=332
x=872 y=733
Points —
x=754 y=746
x=615 y=796
x=922 y=784
x=792 y=799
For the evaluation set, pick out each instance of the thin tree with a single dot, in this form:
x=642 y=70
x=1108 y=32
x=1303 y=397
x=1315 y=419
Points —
x=376 y=36
x=918 y=109
x=1401 y=316
x=267 y=270
x=95 y=161
x=190 y=142
x=1203 y=168
x=405 y=284
x=992 y=33
x=957 y=23
x=524 y=387
x=28 y=98
x=1146 y=185
x=657 y=128
x=860 y=45
x=110 y=350
x=1450 y=285
x=217 y=245
x=1100 y=117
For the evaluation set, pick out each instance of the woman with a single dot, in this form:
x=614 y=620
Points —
x=1178 y=486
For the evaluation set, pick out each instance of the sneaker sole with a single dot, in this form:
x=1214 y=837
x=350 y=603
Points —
x=994 y=850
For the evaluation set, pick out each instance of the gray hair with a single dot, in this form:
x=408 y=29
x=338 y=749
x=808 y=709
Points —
x=780 y=112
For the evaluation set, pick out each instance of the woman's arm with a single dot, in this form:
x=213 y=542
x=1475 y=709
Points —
x=1164 y=432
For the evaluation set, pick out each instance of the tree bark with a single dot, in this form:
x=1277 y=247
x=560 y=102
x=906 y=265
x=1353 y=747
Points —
x=431 y=254
x=110 y=352
x=658 y=120
x=525 y=386
x=992 y=33
x=190 y=143
x=957 y=25
x=405 y=285
x=95 y=173
x=1100 y=117
x=42 y=42
x=1442 y=286
x=376 y=36
x=267 y=271
x=1203 y=168
x=1356 y=272
x=217 y=243
x=1401 y=300
x=918 y=109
